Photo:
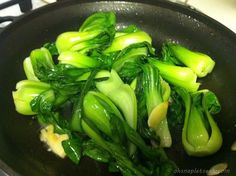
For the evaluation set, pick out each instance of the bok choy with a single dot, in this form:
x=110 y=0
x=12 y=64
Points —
x=200 y=63
x=26 y=91
x=201 y=135
x=157 y=93
x=96 y=32
x=104 y=92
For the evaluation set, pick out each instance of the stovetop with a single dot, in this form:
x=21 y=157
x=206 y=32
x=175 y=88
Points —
x=15 y=9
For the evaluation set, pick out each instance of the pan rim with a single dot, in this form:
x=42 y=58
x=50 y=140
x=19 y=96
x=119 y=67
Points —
x=164 y=4
x=187 y=10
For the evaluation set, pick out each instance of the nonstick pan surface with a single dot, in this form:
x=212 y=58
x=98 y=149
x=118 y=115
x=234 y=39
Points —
x=22 y=153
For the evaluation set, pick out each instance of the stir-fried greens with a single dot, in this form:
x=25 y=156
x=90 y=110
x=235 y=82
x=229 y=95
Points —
x=108 y=95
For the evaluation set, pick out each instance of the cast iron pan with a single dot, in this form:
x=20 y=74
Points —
x=22 y=153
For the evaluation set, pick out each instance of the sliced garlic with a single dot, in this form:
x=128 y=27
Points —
x=157 y=115
x=233 y=147
x=217 y=169
x=53 y=140
x=49 y=1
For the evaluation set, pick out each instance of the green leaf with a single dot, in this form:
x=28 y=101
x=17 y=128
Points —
x=26 y=91
x=152 y=87
x=176 y=110
x=124 y=41
x=78 y=106
x=114 y=88
x=197 y=134
x=177 y=75
x=118 y=133
x=167 y=169
x=132 y=53
x=64 y=79
x=96 y=112
x=72 y=148
x=123 y=163
x=92 y=150
x=211 y=103
x=51 y=48
x=77 y=59
x=130 y=29
x=43 y=103
x=201 y=135
x=99 y=21
x=135 y=138
x=29 y=71
x=42 y=62
x=168 y=57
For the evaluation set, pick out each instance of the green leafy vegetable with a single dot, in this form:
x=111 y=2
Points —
x=99 y=21
x=93 y=34
x=128 y=29
x=125 y=40
x=92 y=150
x=121 y=160
x=176 y=110
x=78 y=106
x=44 y=102
x=72 y=148
x=201 y=135
x=29 y=71
x=77 y=59
x=94 y=110
x=26 y=91
x=51 y=48
x=132 y=53
x=122 y=95
x=177 y=75
x=42 y=62
x=105 y=94
x=200 y=63
x=157 y=106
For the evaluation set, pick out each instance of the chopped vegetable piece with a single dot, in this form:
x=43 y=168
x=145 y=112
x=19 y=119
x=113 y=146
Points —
x=217 y=169
x=93 y=34
x=176 y=75
x=122 y=95
x=200 y=136
x=124 y=41
x=200 y=63
x=42 y=62
x=156 y=105
x=28 y=68
x=77 y=59
x=95 y=111
x=233 y=146
x=53 y=140
x=26 y=91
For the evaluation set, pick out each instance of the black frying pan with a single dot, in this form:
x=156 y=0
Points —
x=20 y=149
